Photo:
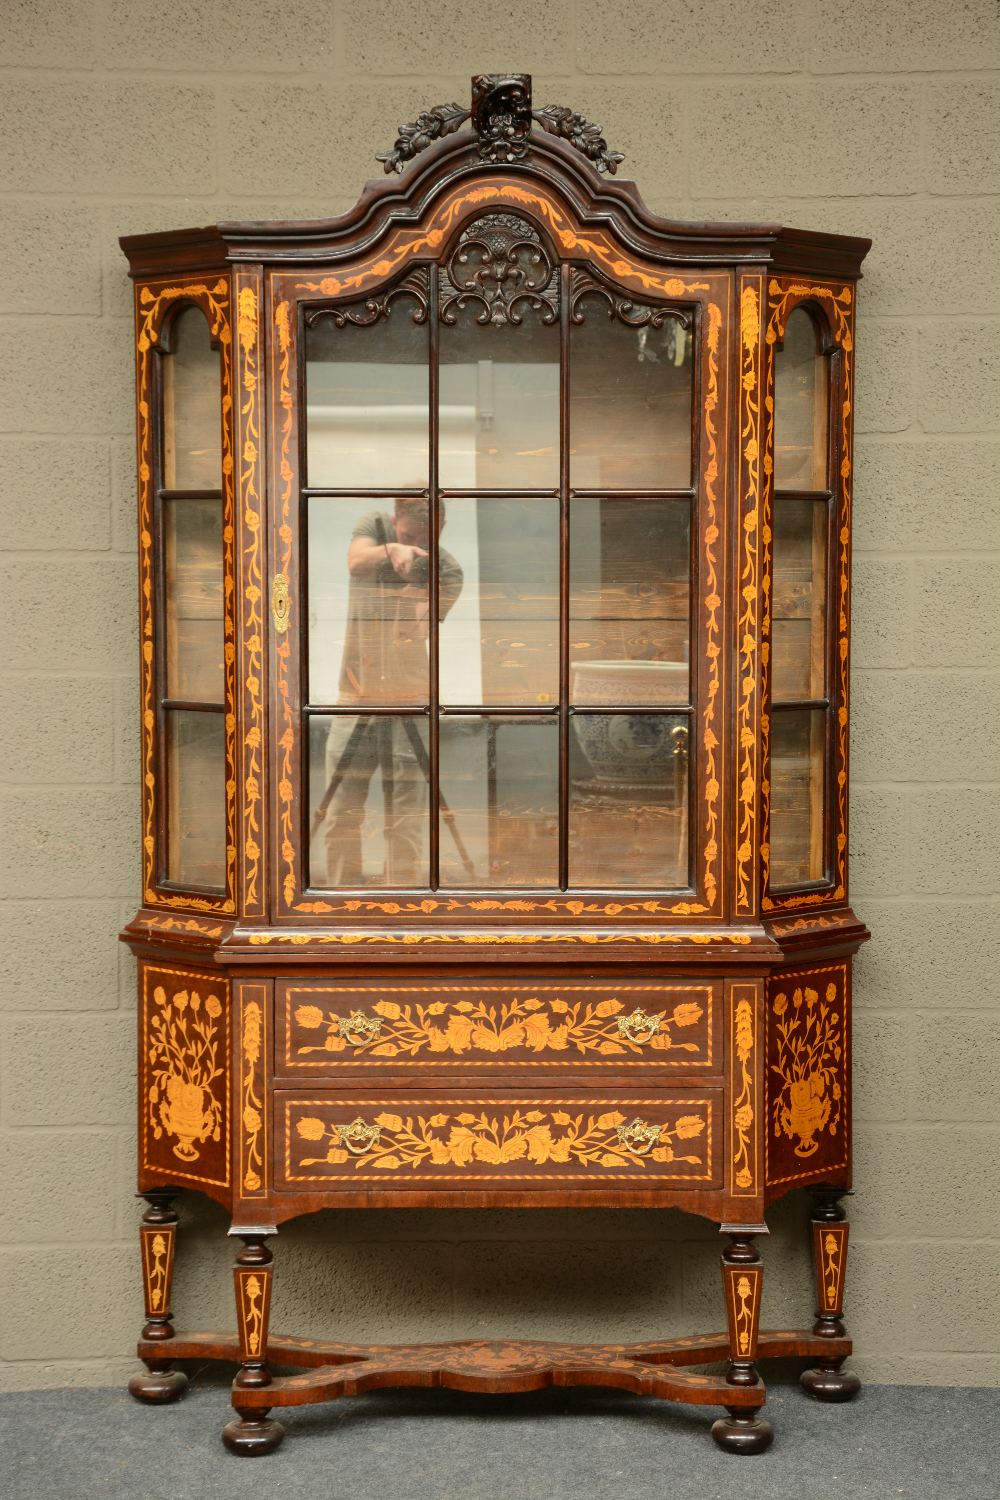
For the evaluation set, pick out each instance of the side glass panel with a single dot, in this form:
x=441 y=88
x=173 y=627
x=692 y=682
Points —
x=499 y=821
x=800 y=694
x=192 y=535
x=798 y=763
x=798 y=639
x=196 y=798
x=630 y=601
x=499 y=567
x=630 y=408
x=368 y=800
x=367 y=398
x=801 y=406
x=192 y=433
x=191 y=666
x=628 y=800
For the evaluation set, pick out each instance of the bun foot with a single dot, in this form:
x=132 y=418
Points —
x=742 y=1432
x=830 y=1384
x=252 y=1435
x=158 y=1387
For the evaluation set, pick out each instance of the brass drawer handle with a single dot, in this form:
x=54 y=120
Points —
x=638 y=1136
x=359 y=1136
x=281 y=605
x=359 y=1029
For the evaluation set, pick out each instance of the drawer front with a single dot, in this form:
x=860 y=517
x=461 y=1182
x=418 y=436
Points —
x=368 y=1026
x=466 y=1140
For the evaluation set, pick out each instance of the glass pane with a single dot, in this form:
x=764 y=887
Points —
x=499 y=409
x=500 y=643
x=801 y=402
x=630 y=600
x=797 y=780
x=366 y=402
x=798 y=647
x=368 y=599
x=196 y=798
x=628 y=800
x=499 y=801
x=192 y=531
x=368 y=800
x=192 y=432
x=630 y=411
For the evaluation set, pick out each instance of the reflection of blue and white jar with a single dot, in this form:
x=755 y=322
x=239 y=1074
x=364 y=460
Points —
x=626 y=747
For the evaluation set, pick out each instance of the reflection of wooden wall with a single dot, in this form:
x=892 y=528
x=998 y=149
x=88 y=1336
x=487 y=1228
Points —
x=194 y=595
x=196 y=832
x=799 y=619
x=519 y=600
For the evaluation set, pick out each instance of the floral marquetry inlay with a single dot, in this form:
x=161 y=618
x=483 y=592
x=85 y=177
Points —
x=253 y=1090
x=742 y=1070
x=516 y=1138
x=807 y=1073
x=547 y=1022
x=185 y=1099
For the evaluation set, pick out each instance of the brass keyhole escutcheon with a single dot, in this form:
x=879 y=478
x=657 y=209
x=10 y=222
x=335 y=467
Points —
x=280 y=603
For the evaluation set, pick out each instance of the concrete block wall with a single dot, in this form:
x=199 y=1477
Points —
x=882 y=119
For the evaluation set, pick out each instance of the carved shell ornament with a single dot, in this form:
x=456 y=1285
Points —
x=502 y=117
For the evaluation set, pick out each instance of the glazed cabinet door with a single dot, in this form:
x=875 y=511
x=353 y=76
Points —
x=497 y=491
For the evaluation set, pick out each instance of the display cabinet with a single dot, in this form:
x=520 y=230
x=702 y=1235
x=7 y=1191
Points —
x=494 y=550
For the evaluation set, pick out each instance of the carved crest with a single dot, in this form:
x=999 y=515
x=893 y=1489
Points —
x=502 y=118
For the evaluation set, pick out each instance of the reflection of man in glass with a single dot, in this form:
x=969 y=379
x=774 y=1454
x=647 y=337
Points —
x=385 y=662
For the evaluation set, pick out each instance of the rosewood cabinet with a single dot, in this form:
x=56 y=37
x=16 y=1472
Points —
x=495 y=619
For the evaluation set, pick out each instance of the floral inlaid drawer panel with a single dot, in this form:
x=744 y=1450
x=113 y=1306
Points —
x=468 y=1140
x=333 y=1029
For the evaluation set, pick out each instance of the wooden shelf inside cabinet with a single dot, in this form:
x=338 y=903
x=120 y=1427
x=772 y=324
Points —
x=494 y=739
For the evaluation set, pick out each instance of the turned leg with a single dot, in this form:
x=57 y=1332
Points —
x=742 y=1431
x=252 y=1432
x=159 y=1383
x=826 y=1381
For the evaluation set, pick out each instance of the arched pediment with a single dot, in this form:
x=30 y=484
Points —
x=442 y=160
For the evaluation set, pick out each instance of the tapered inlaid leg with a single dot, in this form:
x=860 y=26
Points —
x=159 y=1382
x=743 y=1282
x=253 y=1432
x=826 y=1381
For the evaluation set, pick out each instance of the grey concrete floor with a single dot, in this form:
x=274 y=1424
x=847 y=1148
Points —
x=915 y=1441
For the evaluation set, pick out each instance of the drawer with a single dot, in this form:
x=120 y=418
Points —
x=373 y=1027
x=463 y=1139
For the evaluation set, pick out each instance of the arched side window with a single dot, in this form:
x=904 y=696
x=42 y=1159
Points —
x=190 y=667
x=801 y=691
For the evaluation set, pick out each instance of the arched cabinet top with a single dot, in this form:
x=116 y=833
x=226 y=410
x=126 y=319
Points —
x=450 y=176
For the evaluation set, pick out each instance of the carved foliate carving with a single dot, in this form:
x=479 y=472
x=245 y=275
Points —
x=500 y=266
x=443 y=119
x=583 y=134
x=502 y=117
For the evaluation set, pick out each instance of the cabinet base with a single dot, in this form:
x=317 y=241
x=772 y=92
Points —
x=659 y=1368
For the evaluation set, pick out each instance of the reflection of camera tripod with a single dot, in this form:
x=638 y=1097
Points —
x=383 y=738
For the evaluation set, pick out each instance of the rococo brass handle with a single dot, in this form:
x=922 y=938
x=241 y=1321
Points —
x=359 y=1136
x=638 y=1136
x=280 y=603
